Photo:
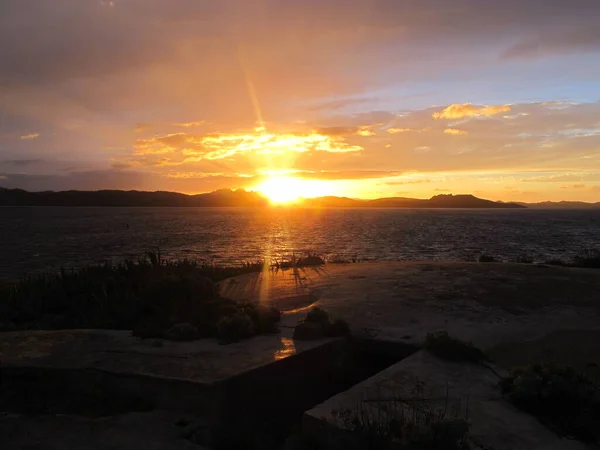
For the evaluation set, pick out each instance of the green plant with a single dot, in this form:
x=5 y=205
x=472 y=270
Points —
x=411 y=423
x=265 y=318
x=339 y=327
x=562 y=397
x=320 y=317
x=317 y=315
x=443 y=346
x=484 y=258
x=524 y=259
x=310 y=259
x=121 y=296
x=588 y=259
x=235 y=328
x=556 y=262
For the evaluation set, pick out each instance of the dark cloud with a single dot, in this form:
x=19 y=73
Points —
x=43 y=41
x=22 y=162
x=555 y=41
x=125 y=180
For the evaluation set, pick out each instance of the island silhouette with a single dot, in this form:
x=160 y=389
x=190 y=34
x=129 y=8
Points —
x=230 y=198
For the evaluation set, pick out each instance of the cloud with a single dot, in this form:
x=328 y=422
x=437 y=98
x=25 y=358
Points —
x=574 y=186
x=455 y=132
x=125 y=180
x=556 y=41
x=348 y=175
x=334 y=105
x=192 y=124
x=398 y=130
x=408 y=181
x=576 y=177
x=364 y=130
x=213 y=146
x=31 y=136
x=459 y=111
x=141 y=127
x=22 y=162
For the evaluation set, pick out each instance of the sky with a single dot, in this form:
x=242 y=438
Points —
x=357 y=98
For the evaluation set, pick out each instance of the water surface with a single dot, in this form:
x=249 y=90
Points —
x=44 y=239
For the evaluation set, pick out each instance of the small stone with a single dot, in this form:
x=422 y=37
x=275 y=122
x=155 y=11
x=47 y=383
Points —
x=308 y=331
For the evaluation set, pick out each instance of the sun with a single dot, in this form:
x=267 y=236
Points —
x=284 y=189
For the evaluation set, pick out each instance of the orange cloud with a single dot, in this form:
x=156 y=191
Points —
x=139 y=127
x=459 y=111
x=573 y=186
x=455 y=132
x=189 y=124
x=28 y=137
x=365 y=132
x=223 y=145
x=398 y=130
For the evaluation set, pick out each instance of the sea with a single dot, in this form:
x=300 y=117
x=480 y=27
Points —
x=46 y=239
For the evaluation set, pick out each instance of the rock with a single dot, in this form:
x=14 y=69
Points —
x=308 y=331
x=182 y=332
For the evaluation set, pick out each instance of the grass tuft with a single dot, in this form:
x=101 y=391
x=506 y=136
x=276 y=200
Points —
x=320 y=316
x=484 y=258
x=311 y=259
x=445 y=347
x=412 y=423
x=235 y=328
x=561 y=397
x=588 y=259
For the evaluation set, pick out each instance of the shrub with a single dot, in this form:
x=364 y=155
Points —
x=320 y=317
x=118 y=296
x=311 y=259
x=339 y=327
x=559 y=396
x=556 y=262
x=524 y=259
x=588 y=259
x=234 y=328
x=487 y=259
x=443 y=346
x=317 y=315
x=265 y=318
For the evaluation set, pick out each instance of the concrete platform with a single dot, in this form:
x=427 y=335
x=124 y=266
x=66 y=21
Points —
x=515 y=312
x=490 y=304
x=202 y=361
x=464 y=390
x=100 y=373
x=157 y=430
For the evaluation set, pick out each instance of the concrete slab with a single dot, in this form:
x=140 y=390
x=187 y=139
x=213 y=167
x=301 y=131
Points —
x=102 y=372
x=488 y=304
x=157 y=430
x=203 y=361
x=469 y=391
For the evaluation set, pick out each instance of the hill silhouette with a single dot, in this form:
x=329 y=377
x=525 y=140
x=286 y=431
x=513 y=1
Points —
x=223 y=197
x=437 y=201
x=227 y=197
